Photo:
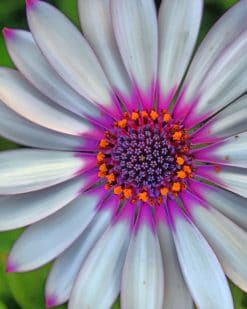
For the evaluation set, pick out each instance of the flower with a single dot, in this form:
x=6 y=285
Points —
x=135 y=179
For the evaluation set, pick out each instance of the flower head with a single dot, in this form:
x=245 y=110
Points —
x=135 y=179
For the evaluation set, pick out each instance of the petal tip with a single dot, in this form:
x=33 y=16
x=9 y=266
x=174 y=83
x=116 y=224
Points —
x=50 y=301
x=10 y=267
x=8 y=33
x=31 y=3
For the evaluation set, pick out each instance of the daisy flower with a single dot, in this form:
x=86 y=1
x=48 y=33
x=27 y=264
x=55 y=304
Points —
x=135 y=178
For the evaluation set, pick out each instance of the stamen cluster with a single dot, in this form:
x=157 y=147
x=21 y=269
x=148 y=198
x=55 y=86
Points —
x=145 y=156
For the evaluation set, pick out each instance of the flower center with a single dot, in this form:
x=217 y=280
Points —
x=145 y=156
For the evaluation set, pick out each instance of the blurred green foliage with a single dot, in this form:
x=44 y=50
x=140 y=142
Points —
x=25 y=291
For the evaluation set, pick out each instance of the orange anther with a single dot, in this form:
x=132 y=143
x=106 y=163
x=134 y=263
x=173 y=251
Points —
x=103 y=168
x=164 y=191
x=134 y=116
x=110 y=178
x=144 y=114
x=127 y=193
x=154 y=115
x=100 y=156
x=143 y=196
x=185 y=136
x=103 y=143
x=107 y=186
x=101 y=174
x=176 y=187
x=166 y=117
x=181 y=174
x=187 y=169
x=122 y=123
x=180 y=160
x=177 y=136
x=175 y=126
x=117 y=190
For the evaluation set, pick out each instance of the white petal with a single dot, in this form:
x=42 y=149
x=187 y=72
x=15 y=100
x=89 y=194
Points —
x=143 y=279
x=23 y=209
x=227 y=240
x=135 y=26
x=65 y=269
x=45 y=240
x=25 y=132
x=232 y=120
x=34 y=66
x=69 y=53
x=221 y=61
x=98 y=283
x=231 y=205
x=29 y=170
x=199 y=264
x=179 y=22
x=230 y=178
x=231 y=151
x=176 y=291
x=95 y=17
x=19 y=95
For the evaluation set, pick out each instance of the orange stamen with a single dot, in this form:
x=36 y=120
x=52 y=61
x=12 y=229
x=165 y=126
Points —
x=176 y=187
x=103 y=168
x=181 y=174
x=177 y=136
x=143 y=196
x=127 y=193
x=164 y=191
x=166 y=117
x=117 y=190
x=144 y=114
x=100 y=156
x=180 y=160
x=154 y=115
x=110 y=178
x=134 y=116
x=187 y=169
x=103 y=143
x=122 y=123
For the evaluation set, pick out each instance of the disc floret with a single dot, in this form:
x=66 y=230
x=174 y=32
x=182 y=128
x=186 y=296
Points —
x=145 y=156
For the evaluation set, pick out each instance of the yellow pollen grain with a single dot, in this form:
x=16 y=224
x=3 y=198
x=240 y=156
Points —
x=164 y=191
x=117 y=190
x=127 y=193
x=103 y=143
x=166 y=117
x=143 y=196
x=177 y=136
x=181 y=174
x=134 y=116
x=122 y=123
x=110 y=178
x=176 y=187
x=180 y=160
x=154 y=115
x=100 y=156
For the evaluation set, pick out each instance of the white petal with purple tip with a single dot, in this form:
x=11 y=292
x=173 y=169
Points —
x=61 y=277
x=95 y=17
x=135 y=26
x=69 y=53
x=19 y=95
x=179 y=23
x=227 y=240
x=98 y=283
x=176 y=291
x=23 y=209
x=200 y=266
x=25 y=132
x=34 y=66
x=27 y=170
x=143 y=279
x=45 y=240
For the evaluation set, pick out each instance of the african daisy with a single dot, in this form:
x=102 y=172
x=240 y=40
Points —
x=135 y=180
